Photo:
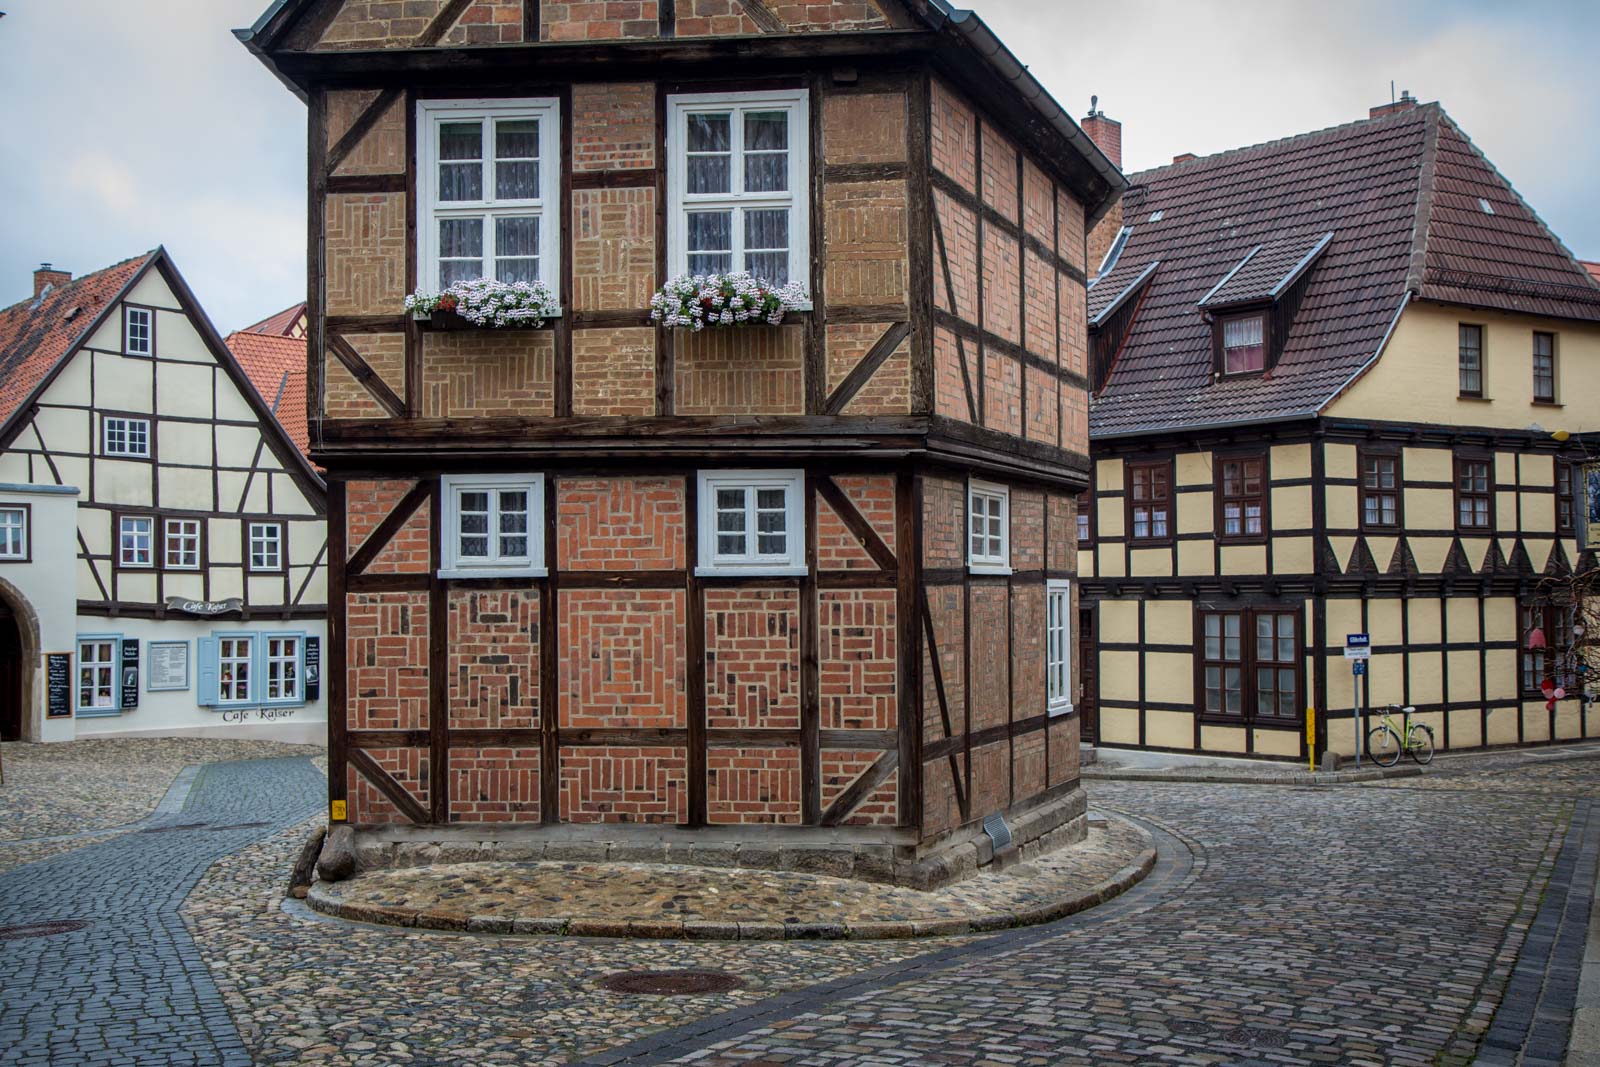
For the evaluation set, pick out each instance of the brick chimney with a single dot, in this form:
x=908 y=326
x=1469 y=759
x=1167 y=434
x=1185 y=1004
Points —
x=1407 y=102
x=1107 y=134
x=47 y=276
x=1184 y=157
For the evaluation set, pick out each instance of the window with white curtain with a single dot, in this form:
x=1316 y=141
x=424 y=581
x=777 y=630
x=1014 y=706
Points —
x=487 y=183
x=1243 y=347
x=1058 y=646
x=737 y=180
x=988 y=528
x=752 y=522
x=493 y=524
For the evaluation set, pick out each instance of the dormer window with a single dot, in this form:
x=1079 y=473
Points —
x=1244 y=349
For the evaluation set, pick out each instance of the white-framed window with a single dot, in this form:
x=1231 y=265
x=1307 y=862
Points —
x=1058 y=646
x=752 y=522
x=737 y=184
x=266 y=546
x=493 y=524
x=487 y=189
x=988 y=528
x=181 y=544
x=134 y=536
x=13 y=533
x=282 y=656
x=235 y=656
x=97 y=675
x=138 y=331
x=125 y=437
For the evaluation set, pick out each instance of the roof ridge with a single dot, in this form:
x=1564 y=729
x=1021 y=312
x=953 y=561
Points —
x=1227 y=154
x=1422 y=222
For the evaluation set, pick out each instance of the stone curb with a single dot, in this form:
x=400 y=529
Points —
x=1129 y=876
x=1134 y=774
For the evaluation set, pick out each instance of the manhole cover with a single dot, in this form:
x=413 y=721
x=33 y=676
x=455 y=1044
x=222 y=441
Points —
x=670 y=983
x=170 y=829
x=49 y=929
x=1249 y=1035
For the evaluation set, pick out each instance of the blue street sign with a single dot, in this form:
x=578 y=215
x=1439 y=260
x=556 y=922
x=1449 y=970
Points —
x=1358 y=667
x=1358 y=640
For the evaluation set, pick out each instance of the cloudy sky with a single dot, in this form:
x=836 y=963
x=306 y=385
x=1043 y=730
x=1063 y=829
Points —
x=143 y=122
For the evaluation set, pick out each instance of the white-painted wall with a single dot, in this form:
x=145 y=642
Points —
x=41 y=593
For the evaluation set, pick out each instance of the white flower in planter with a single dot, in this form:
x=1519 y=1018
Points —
x=489 y=303
x=694 y=302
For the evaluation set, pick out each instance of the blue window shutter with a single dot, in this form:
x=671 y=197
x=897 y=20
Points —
x=206 y=686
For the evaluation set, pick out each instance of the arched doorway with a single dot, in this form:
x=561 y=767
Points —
x=13 y=702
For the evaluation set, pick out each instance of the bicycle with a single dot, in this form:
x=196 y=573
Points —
x=1384 y=746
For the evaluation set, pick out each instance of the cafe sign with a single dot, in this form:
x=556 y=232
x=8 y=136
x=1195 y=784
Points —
x=205 y=608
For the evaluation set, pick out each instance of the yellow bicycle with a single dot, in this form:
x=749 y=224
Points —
x=1384 y=744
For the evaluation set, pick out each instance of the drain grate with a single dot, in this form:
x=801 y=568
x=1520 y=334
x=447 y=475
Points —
x=671 y=983
x=22 y=931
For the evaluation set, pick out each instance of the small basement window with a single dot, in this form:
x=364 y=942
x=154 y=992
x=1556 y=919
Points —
x=751 y=522
x=1244 y=349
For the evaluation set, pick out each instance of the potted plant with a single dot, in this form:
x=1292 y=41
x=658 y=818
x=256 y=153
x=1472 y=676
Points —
x=485 y=303
x=696 y=301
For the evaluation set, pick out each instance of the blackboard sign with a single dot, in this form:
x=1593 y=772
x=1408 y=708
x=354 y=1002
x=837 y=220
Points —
x=313 y=673
x=130 y=673
x=58 y=682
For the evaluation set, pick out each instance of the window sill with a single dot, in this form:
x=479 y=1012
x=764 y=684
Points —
x=988 y=568
x=1547 y=404
x=1475 y=399
x=98 y=713
x=1061 y=710
x=760 y=571
x=491 y=572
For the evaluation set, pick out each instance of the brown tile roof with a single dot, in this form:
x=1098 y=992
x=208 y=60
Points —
x=36 y=334
x=1368 y=183
x=276 y=366
x=1267 y=270
x=290 y=322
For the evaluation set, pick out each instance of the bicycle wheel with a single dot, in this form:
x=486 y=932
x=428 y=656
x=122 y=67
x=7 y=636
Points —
x=1419 y=742
x=1383 y=746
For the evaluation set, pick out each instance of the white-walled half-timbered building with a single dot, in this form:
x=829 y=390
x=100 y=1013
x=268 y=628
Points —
x=162 y=540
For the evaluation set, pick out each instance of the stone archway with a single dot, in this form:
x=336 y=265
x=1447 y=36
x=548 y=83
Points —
x=20 y=674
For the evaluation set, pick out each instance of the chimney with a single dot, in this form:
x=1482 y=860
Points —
x=1107 y=133
x=1104 y=132
x=1184 y=157
x=1407 y=102
x=47 y=277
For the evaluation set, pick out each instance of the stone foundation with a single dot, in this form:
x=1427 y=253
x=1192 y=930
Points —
x=868 y=854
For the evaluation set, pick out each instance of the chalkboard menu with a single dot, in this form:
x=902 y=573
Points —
x=58 y=682
x=130 y=673
x=313 y=673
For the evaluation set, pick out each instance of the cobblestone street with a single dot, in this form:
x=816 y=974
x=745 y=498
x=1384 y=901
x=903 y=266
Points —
x=1375 y=923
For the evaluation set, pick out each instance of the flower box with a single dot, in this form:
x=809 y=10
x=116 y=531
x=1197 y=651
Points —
x=724 y=301
x=485 y=304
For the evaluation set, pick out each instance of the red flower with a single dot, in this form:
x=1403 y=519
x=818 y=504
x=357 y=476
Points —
x=447 y=303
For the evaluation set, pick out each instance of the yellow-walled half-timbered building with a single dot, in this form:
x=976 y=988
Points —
x=802 y=587
x=1341 y=386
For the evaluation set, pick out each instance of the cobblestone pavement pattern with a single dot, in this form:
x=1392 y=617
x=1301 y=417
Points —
x=1355 y=925
x=130 y=987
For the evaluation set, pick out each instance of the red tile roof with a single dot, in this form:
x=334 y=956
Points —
x=290 y=322
x=1400 y=196
x=1592 y=267
x=36 y=334
x=276 y=366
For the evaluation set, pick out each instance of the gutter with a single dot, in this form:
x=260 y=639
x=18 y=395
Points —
x=982 y=40
x=1153 y=431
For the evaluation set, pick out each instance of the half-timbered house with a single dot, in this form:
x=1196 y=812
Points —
x=162 y=542
x=814 y=577
x=1341 y=382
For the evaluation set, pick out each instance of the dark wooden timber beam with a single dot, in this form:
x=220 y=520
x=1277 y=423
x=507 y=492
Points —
x=857 y=523
x=398 y=795
x=363 y=373
x=384 y=532
x=862 y=788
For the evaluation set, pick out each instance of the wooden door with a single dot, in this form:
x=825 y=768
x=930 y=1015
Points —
x=1088 y=671
x=10 y=678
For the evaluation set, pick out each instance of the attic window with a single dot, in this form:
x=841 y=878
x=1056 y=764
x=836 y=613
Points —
x=1244 y=349
x=1155 y=216
x=1114 y=253
x=1488 y=208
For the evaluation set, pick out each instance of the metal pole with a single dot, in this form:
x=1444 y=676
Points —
x=1355 y=703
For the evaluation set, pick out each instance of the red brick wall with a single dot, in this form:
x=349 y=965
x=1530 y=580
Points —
x=620 y=524
x=367 y=504
x=386 y=641
x=857 y=659
x=753 y=659
x=597 y=20
x=755 y=371
x=494 y=785
x=621 y=659
x=494 y=659
x=753 y=785
x=613 y=126
x=624 y=784
x=840 y=768
x=366 y=803
x=837 y=547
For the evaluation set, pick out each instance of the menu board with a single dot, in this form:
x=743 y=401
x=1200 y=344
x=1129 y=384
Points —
x=130 y=673
x=58 y=682
x=313 y=673
x=169 y=666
